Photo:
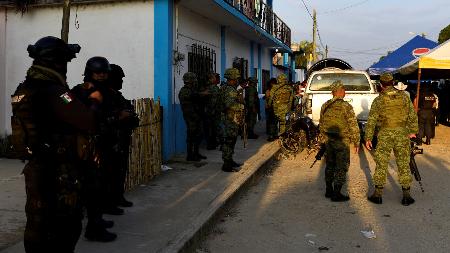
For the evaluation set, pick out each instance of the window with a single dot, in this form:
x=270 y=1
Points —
x=352 y=81
x=242 y=65
x=201 y=61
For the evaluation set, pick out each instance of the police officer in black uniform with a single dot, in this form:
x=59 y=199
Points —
x=51 y=119
x=119 y=152
x=426 y=115
x=93 y=93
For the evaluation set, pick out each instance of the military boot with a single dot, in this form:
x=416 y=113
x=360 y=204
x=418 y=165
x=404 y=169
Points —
x=235 y=164
x=337 y=195
x=376 y=196
x=96 y=232
x=427 y=141
x=197 y=154
x=190 y=153
x=252 y=135
x=228 y=167
x=329 y=190
x=407 y=199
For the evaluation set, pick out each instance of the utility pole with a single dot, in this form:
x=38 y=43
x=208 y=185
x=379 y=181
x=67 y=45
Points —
x=314 y=35
x=65 y=21
x=326 y=51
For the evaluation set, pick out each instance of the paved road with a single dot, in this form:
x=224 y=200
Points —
x=287 y=212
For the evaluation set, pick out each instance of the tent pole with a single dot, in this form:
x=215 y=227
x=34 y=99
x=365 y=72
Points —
x=416 y=104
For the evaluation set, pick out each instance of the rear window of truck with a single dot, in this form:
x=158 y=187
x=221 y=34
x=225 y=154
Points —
x=352 y=81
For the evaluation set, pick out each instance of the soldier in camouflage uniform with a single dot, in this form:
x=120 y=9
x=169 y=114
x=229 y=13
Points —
x=212 y=112
x=280 y=99
x=232 y=104
x=251 y=106
x=397 y=121
x=339 y=128
x=188 y=100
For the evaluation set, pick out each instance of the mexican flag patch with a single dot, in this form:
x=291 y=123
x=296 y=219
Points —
x=66 y=98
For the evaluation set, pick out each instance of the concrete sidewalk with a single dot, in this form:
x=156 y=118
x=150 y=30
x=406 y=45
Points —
x=172 y=209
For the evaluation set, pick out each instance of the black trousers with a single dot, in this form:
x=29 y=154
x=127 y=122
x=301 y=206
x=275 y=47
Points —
x=53 y=206
x=426 y=123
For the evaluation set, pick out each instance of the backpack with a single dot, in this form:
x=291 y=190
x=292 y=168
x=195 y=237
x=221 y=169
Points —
x=24 y=135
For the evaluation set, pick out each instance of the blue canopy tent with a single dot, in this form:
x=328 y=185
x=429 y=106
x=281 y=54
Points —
x=412 y=49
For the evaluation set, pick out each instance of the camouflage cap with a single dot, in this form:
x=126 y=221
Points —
x=189 y=77
x=253 y=79
x=336 y=85
x=232 y=74
x=282 y=79
x=386 y=77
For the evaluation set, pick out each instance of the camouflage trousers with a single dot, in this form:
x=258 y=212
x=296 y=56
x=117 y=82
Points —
x=281 y=118
x=231 y=131
x=338 y=161
x=251 y=119
x=271 y=123
x=398 y=141
x=194 y=131
x=53 y=207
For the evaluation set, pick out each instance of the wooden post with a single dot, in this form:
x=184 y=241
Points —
x=416 y=101
x=65 y=21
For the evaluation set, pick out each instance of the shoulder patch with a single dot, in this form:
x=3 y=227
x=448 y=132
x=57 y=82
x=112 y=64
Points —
x=66 y=97
x=17 y=99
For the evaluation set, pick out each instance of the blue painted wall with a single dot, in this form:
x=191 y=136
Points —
x=163 y=20
x=252 y=58
x=223 y=52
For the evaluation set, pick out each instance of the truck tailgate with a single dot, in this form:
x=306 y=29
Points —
x=360 y=102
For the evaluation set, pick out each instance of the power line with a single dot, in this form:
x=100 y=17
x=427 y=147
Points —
x=345 y=8
x=307 y=10
x=317 y=26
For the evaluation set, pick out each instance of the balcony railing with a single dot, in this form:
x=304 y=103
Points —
x=262 y=15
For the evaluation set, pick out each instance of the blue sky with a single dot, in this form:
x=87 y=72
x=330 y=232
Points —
x=360 y=31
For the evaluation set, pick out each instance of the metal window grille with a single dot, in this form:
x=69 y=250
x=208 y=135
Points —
x=201 y=61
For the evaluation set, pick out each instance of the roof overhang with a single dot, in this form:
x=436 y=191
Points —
x=223 y=13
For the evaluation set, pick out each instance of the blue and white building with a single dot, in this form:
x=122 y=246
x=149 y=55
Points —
x=155 y=42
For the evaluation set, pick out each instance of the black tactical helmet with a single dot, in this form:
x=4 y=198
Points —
x=97 y=64
x=116 y=71
x=52 y=49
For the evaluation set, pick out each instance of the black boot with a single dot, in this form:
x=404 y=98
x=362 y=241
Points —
x=329 y=190
x=124 y=203
x=427 y=141
x=337 y=195
x=407 y=199
x=96 y=232
x=190 y=153
x=228 y=167
x=113 y=210
x=252 y=135
x=106 y=223
x=235 y=164
x=197 y=154
x=376 y=196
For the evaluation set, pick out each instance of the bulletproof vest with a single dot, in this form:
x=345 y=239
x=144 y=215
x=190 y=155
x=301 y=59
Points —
x=427 y=100
x=283 y=95
x=24 y=134
x=334 y=121
x=394 y=111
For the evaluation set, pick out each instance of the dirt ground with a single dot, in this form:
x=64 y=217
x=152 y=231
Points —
x=287 y=210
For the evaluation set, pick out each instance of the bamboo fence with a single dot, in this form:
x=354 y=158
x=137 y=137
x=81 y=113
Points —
x=145 y=157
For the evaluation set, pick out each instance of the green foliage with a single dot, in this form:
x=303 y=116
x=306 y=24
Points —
x=301 y=60
x=444 y=35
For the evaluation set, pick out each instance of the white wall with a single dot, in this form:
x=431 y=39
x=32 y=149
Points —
x=237 y=46
x=121 y=32
x=4 y=98
x=194 y=28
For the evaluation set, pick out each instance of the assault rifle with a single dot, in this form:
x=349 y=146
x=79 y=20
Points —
x=319 y=154
x=415 y=150
x=244 y=130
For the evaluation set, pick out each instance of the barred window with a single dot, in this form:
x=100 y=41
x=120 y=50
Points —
x=201 y=61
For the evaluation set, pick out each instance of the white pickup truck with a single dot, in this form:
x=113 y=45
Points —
x=360 y=91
